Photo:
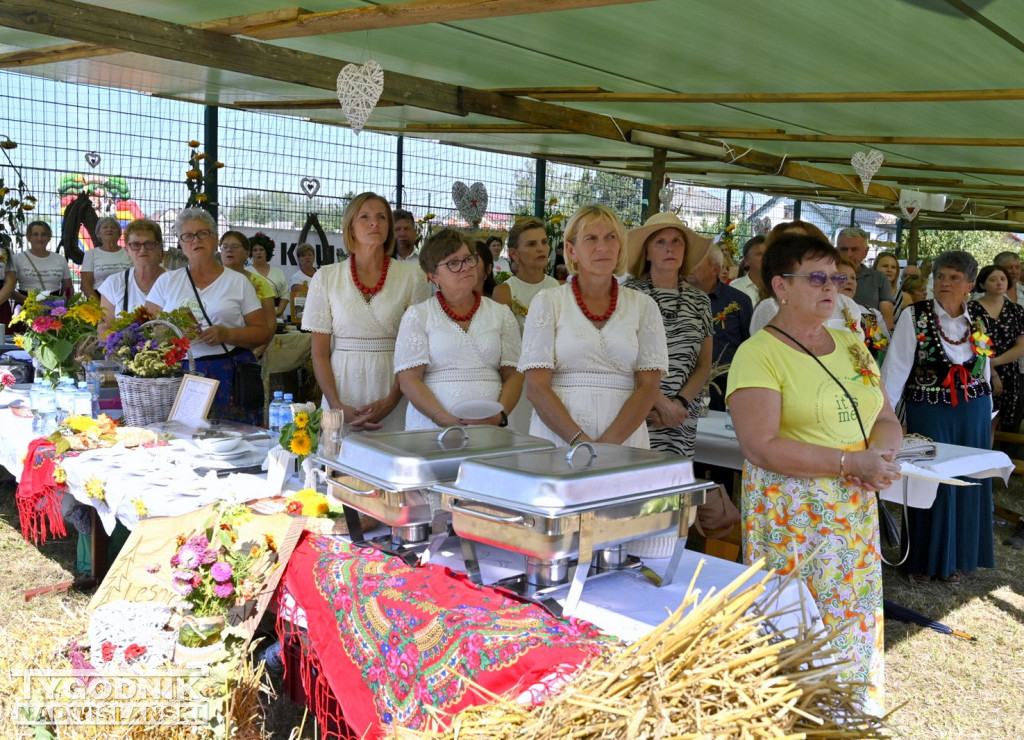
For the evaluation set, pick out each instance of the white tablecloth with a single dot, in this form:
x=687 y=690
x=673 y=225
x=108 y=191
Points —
x=717 y=445
x=15 y=434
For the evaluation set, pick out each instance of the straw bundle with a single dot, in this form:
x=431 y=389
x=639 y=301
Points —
x=712 y=672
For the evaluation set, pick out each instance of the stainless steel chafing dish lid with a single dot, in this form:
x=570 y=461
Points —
x=560 y=482
x=400 y=461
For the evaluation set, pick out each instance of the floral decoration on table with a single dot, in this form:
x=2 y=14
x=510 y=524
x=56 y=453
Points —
x=720 y=317
x=7 y=378
x=84 y=433
x=153 y=350
x=301 y=436
x=864 y=365
x=214 y=573
x=981 y=343
x=195 y=177
x=54 y=327
x=308 y=502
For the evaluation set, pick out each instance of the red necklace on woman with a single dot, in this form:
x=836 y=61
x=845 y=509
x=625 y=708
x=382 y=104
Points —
x=938 y=325
x=454 y=316
x=583 y=306
x=369 y=292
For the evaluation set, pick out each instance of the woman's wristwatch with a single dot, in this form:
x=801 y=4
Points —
x=504 y=419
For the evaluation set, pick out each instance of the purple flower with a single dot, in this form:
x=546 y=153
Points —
x=155 y=567
x=189 y=557
x=221 y=571
x=223 y=590
x=59 y=311
x=182 y=587
x=182 y=575
x=198 y=541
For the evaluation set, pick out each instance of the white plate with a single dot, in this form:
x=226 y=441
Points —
x=230 y=454
x=476 y=409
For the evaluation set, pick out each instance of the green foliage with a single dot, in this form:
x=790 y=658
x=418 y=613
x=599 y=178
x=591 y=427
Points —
x=623 y=194
x=265 y=209
x=984 y=245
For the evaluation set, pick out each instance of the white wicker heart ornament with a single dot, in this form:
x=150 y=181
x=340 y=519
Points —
x=359 y=89
x=866 y=164
x=471 y=200
x=762 y=226
x=910 y=205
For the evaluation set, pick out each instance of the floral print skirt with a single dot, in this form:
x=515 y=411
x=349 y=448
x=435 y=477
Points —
x=785 y=519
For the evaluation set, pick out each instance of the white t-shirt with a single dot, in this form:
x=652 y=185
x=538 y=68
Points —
x=113 y=290
x=227 y=300
x=53 y=269
x=103 y=264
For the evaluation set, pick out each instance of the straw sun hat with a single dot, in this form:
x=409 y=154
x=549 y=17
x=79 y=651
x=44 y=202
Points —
x=696 y=246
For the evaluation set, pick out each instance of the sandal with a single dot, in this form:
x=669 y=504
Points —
x=953 y=577
x=921 y=578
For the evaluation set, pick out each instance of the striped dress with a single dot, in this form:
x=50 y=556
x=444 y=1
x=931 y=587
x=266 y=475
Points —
x=686 y=313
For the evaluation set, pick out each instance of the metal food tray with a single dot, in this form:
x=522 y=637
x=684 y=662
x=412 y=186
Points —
x=553 y=505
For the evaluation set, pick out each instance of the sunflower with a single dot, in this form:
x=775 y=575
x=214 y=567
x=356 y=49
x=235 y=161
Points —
x=301 y=444
x=301 y=420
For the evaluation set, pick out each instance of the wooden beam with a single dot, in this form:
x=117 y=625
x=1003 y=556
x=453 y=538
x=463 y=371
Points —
x=726 y=131
x=70 y=52
x=657 y=180
x=864 y=139
x=520 y=92
x=877 y=96
x=938 y=181
x=917 y=166
x=413 y=13
x=310 y=104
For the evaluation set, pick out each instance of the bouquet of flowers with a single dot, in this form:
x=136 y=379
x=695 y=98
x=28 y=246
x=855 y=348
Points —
x=214 y=572
x=301 y=435
x=54 y=327
x=151 y=350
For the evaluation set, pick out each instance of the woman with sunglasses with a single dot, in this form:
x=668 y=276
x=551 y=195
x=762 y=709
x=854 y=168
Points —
x=128 y=289
x=458 y=345
x=354 y=309
x=819 y=438
x=939 y=361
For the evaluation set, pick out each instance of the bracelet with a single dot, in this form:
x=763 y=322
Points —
x=683 y=398
x=842 y=465
x=579 y=433
x=439 y=410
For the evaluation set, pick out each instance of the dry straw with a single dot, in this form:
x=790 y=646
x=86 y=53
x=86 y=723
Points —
x=716 y=670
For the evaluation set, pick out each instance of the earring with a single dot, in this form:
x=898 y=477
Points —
x=785 y=301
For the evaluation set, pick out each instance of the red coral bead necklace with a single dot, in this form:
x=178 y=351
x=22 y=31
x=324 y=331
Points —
x=454 y=316
x=578 y=295
x=369 y=292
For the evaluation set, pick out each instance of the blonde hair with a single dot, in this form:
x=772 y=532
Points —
x=583 y=218
x=350 y=216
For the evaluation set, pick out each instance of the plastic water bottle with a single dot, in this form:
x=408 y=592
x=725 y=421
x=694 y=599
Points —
x=33 y=402
x=92 y=378
x=274 y=414
x=83 y=399
x=47 y=409
x=65 y=398
x=286 y=410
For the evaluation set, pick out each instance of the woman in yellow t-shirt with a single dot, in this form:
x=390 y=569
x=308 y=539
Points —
x=803 y=398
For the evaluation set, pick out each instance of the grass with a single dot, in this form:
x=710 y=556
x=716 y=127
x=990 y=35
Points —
x=949 y=688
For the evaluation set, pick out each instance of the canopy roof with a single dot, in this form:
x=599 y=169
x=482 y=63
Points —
x=777 y=96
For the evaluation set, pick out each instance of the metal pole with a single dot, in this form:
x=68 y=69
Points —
x=899 y=237
x=796 y=209
x=853 y=217
x=540 y=196
x=210 y=163
x=399 y=151
x=728 y=206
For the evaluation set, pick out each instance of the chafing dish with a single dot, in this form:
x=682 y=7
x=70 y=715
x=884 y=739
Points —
x=555 y=506
x=388 y=475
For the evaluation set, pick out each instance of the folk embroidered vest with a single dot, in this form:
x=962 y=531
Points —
x=935 y=378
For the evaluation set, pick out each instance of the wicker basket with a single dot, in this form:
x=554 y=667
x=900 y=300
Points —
x=146 y=401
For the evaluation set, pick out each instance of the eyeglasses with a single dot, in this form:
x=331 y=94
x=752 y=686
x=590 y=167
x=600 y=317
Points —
x=460 y=265
x=189 y=237
x=139 y=246
x=230 y=246
x=818 y=279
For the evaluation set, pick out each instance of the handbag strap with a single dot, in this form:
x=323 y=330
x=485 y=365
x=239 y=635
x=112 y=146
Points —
x=860 y=423
x=124 y=301
x=201 y=306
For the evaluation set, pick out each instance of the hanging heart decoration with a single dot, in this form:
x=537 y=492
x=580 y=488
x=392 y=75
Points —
x=665 y=196
x=762 y=226
x=910 y=204
x=471 y=200
x=866 y=164
x=92 y=158
x=310 y=186
x=359 y=89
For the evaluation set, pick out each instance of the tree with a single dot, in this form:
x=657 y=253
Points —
x=623 y=194
x=984 y=245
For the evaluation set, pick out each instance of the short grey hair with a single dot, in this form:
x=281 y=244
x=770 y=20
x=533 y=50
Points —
x=194 y=214
x=853 y=232
x=958 y=260
x=304 y=247
x=1003 y=256
x=715 y=256
x=104 y=220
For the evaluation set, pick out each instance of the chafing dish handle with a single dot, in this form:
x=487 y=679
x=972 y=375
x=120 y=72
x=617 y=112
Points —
x=513 y=519
x=572 y=452
x=366 y=494
x=444 y=433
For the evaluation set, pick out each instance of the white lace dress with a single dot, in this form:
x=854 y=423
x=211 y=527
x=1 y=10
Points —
x=460 y=365
x=363 y=343
x=594 y=370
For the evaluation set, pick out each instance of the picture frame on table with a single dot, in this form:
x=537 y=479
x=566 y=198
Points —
x=195 y=396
